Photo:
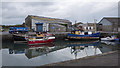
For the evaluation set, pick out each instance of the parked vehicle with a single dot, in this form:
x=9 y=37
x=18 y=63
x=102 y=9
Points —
x=16 y=30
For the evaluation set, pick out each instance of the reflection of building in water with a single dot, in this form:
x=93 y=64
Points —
x=87 y=47
x=36 y=51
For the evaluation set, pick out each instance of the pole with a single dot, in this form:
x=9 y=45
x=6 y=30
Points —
x=75 y=23
x=95 y=25
x=95 y=50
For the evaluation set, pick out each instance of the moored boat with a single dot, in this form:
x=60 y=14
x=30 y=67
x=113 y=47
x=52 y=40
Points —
x=83 y=35
x=110 y=38
x=41 y=39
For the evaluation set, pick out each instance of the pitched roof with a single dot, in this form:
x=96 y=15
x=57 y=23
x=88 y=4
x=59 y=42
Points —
x=47 y=18
x=112 y=20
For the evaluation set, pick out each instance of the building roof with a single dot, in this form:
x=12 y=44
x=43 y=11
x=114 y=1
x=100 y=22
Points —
x=112 y=19
x=47 y=18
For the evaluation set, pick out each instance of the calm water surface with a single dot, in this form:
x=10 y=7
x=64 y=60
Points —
x=60 y=50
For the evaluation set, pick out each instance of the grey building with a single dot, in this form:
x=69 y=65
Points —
x=39 y=23
x=109 y=24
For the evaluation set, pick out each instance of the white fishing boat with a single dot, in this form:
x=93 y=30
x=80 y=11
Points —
x=110 y=38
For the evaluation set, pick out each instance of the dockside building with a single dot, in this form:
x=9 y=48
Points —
x=109 y=24
x=40 y=24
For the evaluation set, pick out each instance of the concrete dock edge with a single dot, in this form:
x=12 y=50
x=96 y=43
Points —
x=76 y=60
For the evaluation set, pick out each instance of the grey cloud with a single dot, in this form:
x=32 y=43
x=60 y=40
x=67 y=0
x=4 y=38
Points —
x=39 y=3
x=15 y=13
x=84 y=14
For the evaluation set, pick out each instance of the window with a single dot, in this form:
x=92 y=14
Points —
x=10 y=28
x=90 y=28
x=85 y=28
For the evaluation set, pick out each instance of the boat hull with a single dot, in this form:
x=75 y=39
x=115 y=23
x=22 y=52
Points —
x=109 y=39
x=41 y=41
x=18 y=38
x=102 y=39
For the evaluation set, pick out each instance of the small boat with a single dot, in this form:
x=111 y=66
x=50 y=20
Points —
x=110 y=38
x=41 y=39
x=83 y=35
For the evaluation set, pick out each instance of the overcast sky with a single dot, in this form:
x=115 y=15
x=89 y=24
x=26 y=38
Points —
x=14 y=12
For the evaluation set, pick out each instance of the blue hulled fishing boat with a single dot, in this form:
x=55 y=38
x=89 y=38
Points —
x=83 y=35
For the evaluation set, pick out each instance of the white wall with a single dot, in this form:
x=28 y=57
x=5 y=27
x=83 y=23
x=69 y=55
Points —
x=45 y=24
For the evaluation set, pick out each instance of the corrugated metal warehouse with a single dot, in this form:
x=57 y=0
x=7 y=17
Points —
x=40 y=24
x=109 y=24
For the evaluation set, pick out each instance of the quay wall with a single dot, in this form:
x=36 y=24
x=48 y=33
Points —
x=7 y=38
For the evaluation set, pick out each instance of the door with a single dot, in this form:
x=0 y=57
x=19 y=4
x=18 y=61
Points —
x=39 y=28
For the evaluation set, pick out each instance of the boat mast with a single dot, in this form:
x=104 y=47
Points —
x=75 y=23
x=95 y=24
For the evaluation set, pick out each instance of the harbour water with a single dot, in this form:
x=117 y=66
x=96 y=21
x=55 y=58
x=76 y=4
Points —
x=61 y=50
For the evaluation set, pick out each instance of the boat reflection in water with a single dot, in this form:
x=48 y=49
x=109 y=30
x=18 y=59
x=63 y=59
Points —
x=110 y=43
x=88 y=48
x=84 y=49
x=38 y=50
x=42 y=49
x=61 y=50
x=36 y=55
x=17 y=49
